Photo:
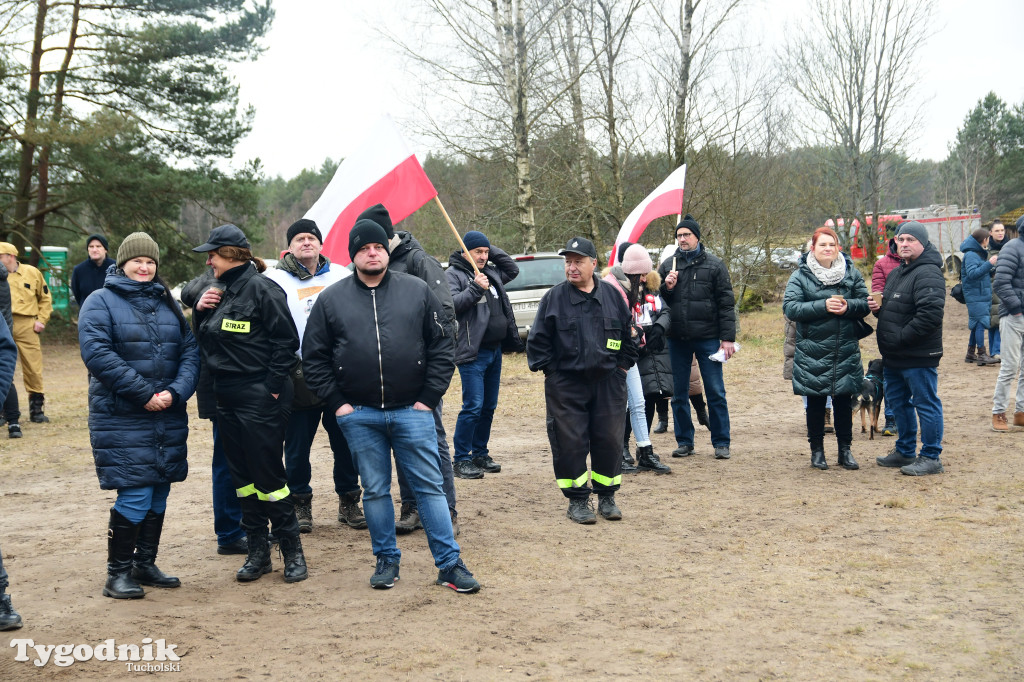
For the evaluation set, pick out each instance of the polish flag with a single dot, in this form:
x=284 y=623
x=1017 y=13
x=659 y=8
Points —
x=666 y=200
x=383 y=170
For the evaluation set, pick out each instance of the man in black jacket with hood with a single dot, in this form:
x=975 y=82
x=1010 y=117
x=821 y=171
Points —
x=910 y=340
x=376 y=351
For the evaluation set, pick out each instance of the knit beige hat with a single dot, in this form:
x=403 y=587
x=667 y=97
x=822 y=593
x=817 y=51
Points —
x=137 y=244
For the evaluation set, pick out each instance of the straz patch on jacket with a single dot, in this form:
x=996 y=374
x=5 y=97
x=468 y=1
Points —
x=614 y=344
x=234 y=326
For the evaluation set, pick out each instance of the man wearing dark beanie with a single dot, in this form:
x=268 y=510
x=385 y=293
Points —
x=88 y=276
x=303 y=272
x=406 y=255
x=398 y=361
x=698 y=292
x=909 y=335
x=487 y=325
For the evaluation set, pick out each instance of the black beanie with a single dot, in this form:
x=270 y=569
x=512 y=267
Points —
x=378 y=214
x=98 y=238
x=622 y=251
x=304 y=226
x=690 y=224
x=365 y=232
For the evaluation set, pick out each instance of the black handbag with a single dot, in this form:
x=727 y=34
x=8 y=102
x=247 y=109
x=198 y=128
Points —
x=957 y=292
x=864 y=329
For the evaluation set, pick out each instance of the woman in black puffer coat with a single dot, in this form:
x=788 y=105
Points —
x=143 y=366
x=824 y=298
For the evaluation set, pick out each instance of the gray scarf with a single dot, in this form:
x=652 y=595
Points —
x=827 y=276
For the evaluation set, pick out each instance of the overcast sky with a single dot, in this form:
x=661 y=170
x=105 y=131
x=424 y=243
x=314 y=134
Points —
x=326 y=75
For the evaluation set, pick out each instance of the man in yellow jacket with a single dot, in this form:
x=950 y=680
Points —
x=31 y=305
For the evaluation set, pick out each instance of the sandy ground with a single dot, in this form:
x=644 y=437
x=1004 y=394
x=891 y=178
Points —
x=759 y=567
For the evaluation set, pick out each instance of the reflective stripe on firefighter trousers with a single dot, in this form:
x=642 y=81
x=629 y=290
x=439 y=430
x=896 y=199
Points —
x=572 y=483
x=275 y=496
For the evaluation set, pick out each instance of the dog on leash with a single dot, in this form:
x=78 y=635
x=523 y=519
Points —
x=870 y=398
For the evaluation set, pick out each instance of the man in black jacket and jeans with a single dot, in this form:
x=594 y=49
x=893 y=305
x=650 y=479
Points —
x=581 y=340
x=378 y=354
x=486 y=326
x=910 y=340
x=697 y=289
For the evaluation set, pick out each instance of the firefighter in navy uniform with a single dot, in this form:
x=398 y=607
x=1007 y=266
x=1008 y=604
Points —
x=248 y=341
x=581 y=340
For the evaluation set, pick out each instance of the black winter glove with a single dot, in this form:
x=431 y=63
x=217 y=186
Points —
x=655 y=339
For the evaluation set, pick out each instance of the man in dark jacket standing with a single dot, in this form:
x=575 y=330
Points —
x=486 y=325
x=406 y=255
x=376 y=351
x=1009 y=287
x=910 y=340
x=698 y=292
x=88 y=276
x=581 y=340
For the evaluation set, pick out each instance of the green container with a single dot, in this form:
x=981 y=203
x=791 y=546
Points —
x=53 y=263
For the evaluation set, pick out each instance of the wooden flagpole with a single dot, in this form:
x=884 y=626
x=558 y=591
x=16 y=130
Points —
x=456 y=233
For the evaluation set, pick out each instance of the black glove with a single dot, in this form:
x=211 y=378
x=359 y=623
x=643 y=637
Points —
x=655 y=339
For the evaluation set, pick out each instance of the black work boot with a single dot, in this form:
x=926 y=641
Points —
x=14 y=430
x=35 y=408
x=700 y=409
x=294 y=559
x=9 y=618
x=349 y=511
x=144 y=570
x=818 y=456
x=409 y=519
x=628 y=463
x=581 y=510
x=607 y=508
x=646 y=460
x=846 y=459
x=258 y=561
x=304 y=511
x=121 y=536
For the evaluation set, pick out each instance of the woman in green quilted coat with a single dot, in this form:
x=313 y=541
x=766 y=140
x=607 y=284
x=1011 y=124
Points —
x=825 y=297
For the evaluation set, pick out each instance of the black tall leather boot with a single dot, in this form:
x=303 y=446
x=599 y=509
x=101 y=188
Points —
x=294 y=559
x=35 y=408
x=846 y=459
x=818 y=456
x=121 y=536
x=144 y=570
x=700 y=409
x=258 y=561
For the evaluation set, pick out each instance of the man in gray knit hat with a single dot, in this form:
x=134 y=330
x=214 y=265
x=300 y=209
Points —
x=909 y=338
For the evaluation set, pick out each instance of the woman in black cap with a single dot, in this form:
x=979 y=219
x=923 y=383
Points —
x=248 y=341
x=143 y=367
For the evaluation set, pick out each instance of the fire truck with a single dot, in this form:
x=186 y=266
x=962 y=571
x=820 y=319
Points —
x=947 y=227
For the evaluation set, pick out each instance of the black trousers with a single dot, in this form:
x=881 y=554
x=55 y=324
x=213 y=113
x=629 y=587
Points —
x=842 y=419
x=251 y=423
x=11 y=412
x=585 y=417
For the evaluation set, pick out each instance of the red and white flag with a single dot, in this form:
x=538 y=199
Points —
x=383 y=170
x=666 y=200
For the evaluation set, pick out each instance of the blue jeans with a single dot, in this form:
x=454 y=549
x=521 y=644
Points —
x=480 y=381
x=637 y=407
x=298 y=439
x=681 y=353
x=994 y=340
x=3 y=575
x=444 y=459
x=227 y=510
x=133 y=503
x=977 y=337
x=373 y=433
x=910 y=390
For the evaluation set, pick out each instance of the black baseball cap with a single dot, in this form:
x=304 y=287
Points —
x=580 y=245
x=225 y=235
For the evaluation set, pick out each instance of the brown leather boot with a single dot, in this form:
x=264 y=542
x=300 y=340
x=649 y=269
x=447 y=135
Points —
x=984 y=358
x=1018 y=418
x=999 y=422
x=972 y=355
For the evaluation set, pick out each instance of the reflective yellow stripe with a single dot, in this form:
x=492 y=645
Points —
x=572 y=483
x=604 y=480
x=275 y=496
